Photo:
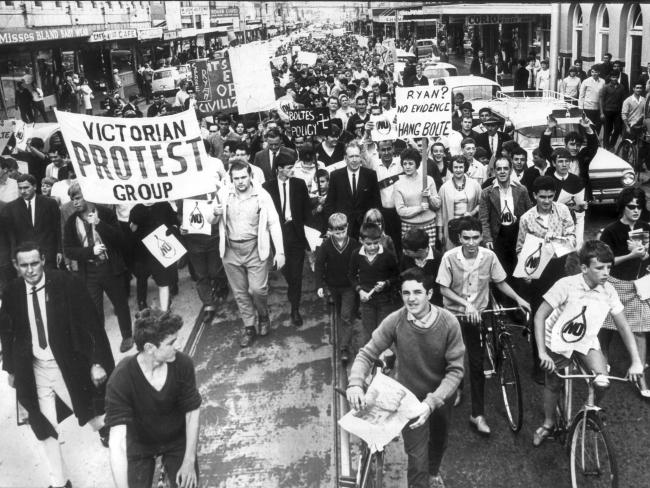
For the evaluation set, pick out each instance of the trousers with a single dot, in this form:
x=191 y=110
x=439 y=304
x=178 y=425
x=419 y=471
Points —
x=205 y=259
x=294 y=248
x=248 y=277
x=474 y=348
x=344 y=300
x=99 y=280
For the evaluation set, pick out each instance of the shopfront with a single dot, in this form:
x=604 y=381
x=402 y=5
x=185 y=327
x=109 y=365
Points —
x=40 y=57
x=151 y=48
x=109 y=50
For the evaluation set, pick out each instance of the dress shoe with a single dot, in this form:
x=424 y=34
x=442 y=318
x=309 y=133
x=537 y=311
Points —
x=480 y=424
x=345 y=356
x=208 y=315
x=126 y=345
x=265 y=325
x=296 y=319
x=67 y=485
x=435 y=481
x=247 y=337
x=104 y=435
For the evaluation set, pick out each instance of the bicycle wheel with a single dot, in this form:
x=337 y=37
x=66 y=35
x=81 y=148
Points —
x=372 y=469
x=627 y=151
x=510 y=385
x=593 y=463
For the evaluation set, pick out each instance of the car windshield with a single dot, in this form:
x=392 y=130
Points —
x=438 y=72
x=162 y=74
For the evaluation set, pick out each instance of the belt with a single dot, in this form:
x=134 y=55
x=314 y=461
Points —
x=243 y=240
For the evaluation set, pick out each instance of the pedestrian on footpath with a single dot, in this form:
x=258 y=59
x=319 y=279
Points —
x=53 y=347
x=152 y=408
x=248 y=223
x=429 y=344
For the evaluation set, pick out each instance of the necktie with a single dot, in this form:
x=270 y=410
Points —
x=29 y=209
x=38 y=318
x=284 y=201
x=492 y=144
x=272 y=160
x=482 y=67
x=354 y=185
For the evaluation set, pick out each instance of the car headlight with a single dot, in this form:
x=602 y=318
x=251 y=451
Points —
x=628 y=178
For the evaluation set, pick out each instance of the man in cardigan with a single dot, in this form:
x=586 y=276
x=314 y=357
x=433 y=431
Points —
x=53 y=346
x=247 y=222
x=92 y=237
x=429 y=343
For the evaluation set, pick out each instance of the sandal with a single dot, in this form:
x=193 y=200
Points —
x=541 y=434
x=642 y=388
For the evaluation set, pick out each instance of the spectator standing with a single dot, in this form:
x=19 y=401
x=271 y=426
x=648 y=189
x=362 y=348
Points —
x=25 y=102
x=38 y=102
x=612 y=97
x=87 y=96
x=589 y=99
x=147 y=75
x=8 y=186
x=570 y=86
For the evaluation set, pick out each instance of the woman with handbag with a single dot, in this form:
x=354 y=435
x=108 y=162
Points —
x=628 y=238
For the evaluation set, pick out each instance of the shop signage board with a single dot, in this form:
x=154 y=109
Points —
x=171 y=35
x=220 y=12
x=19 y=36
x=138 y=160
x=189 y=11
x=113 y=35
x=213 y=82
x=497 y=19
x=153 y=33
x=423 y=111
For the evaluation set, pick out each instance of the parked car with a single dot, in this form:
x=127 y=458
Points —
x=435 y=69
x=167 y=79
x=476 y=89
x=527 y=118
x=426 y=48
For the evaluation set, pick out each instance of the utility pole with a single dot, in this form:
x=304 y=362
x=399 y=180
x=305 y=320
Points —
x=555 y=45
x=242 y=14
x=396 y=23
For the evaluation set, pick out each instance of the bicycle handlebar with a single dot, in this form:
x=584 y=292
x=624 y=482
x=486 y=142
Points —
x=590 y=376
x=497 y=310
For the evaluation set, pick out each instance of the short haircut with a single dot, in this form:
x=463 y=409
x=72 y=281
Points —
x=460 y=159
x=153 y=326
x=74 y=190
x=542 y=183
x=629 y=194
x=223 y=118
x=574 y=136
x=520 y=151
x=28 y=246
x=38 y=143
x=484 y=110
x=307 y=152
x=412 y=154
x=510 y=146
x=415 y=239
x=416 y=274
x=468 y=223
x=322 y=173
x=31 y=179
x=352 y=144
x=595 y=249
x=466 y=141
x=8 y=163
x=374 y=214
x=501 y=160
x=231 y=145
x=337 y=219
x=273 y=134
x=237 y=164
x=481 y=152
x=560 y=152
x=48 y=180
x=370 y=231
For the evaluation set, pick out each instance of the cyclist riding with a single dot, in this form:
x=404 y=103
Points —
x=567 y=324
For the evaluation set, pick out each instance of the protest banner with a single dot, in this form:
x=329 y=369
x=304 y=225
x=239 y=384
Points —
x=338 y=32
x=253 y=80
x=6 y=131
x=309 y=121
x=195 y=214
x=165 y=248
x=389 y=406
x=388 y=52
x=423 y=111
x=213 y=84
x=307 y=58
x=361 y=40
x=137 y=160
x=384 y=128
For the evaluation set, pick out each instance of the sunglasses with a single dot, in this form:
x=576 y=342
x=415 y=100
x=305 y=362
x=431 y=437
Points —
x=338 y=228
x=633 y=207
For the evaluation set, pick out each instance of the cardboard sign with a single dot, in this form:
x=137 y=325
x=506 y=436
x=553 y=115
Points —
x=165 y=248
x=307 y=58
x=6 y=131
x=388 y=52
x=577 y=326
x=309 y=121
x=138 y=160
x=279 y=61
x=313 y=237
x=423 y=111
x=361 y=40
x=23 y=132
x=195 y=216
x=214 y=86
x=384 y=128
x=253 y=80
x=533 y=258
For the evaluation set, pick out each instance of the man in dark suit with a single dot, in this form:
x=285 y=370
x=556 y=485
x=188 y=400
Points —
x=291 y=201
x=478 y=66
x=623 y=79
x=93 y=238
x=36 y=218
x=265 y=159
x=353 y=190
x=492 y=139
x=53 y=347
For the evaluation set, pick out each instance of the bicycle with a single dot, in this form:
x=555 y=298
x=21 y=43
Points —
x=370 y=465
x=628 y=149
x=591 y=452
x=500 y=353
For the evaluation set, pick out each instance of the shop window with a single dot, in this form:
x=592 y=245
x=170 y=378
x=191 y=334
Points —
x=46 y=71
x=9 y=4
x=637 y=19
x=38 y=4
x=14 y=67
x=122 y=60
x=57 y=4
x=602 y=41
x=80 y=4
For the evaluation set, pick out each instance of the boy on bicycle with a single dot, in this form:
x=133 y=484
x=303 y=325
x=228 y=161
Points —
x=428 y=342
x=464 y=277
x=567 y=324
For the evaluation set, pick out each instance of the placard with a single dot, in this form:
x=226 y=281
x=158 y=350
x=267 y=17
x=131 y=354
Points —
x=313 y=237
x=253 y=80
x=423 y=111
x=214 y=85
x=309 y=121
x=6 y=131
x=138 y=160
x=384 y=128
x=23 y=133
x=576 y=328
x=361 y=40
x=165 y=248
x=534 y=257
x=307 y=58
x=195 y=216
x=279 y=61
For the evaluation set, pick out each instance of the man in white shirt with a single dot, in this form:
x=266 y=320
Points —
x=589 y=99
x=456 y=137
x=8 y=186
x=476 y=169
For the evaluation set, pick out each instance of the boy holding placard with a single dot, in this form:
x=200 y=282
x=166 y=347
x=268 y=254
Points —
x=567 y=324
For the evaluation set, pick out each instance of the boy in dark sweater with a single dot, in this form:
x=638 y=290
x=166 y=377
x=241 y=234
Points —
x=152 y=406
x=332 y=262
x=418 y=253
x=429 y=344
x=373 y=272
